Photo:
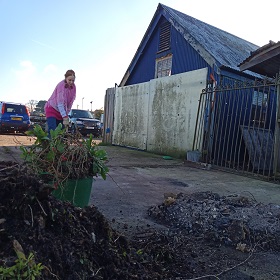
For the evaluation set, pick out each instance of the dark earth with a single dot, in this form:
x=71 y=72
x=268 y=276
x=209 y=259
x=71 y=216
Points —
x=205 y=235
x=189 y=233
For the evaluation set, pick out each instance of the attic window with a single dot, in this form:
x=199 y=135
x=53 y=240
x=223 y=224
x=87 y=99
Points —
x=164 y=37
x=163 y=66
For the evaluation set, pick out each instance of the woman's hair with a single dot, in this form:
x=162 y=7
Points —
x=69 y=73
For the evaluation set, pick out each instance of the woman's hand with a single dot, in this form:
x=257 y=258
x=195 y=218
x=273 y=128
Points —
x=66 y=122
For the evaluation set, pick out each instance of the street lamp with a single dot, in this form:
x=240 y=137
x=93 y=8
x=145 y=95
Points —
x=83 y=102
x=91 y=106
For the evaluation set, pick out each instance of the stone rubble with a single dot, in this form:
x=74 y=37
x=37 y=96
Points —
x=231 y=220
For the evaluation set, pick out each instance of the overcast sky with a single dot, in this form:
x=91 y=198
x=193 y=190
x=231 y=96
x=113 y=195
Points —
x=40 y=40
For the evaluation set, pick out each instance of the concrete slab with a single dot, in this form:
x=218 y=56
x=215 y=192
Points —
x=138 y=180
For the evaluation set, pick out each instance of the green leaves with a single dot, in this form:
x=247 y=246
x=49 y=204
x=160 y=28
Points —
x=39 y=133
x=64 y=156
x=99 y=168
x=24 y=269
x=57 y=132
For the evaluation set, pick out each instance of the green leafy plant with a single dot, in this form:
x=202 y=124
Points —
x=63 y=156
x=23 y=269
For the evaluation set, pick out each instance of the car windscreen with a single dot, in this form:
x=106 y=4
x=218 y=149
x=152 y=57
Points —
x=81 y=114
x=16 y=109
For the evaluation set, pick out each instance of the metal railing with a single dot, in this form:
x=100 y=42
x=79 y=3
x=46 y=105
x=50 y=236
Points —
x=235 y=127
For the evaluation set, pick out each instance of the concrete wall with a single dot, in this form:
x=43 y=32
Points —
x=131 y=116
x=159 y=116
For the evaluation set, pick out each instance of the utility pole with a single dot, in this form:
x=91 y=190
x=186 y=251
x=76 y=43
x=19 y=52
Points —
x=91 y=106
x=83 y=103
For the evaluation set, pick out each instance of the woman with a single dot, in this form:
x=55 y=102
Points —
x=60 y=103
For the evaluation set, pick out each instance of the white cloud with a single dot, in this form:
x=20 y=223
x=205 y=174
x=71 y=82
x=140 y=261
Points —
x=51 y=68
x=26 y=71
x=31 y=83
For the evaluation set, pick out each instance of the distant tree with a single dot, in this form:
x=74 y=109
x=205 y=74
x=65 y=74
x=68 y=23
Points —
x=97 y=113
x=31 y=105
x=39 y=109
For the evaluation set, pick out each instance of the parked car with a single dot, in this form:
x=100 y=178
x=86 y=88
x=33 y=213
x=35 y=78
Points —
x=84 y=121
x=14 y=117
x=39 y=119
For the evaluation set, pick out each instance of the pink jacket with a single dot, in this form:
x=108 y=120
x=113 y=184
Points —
x=61 y=100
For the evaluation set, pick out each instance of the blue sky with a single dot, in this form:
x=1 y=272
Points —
x=40 y=40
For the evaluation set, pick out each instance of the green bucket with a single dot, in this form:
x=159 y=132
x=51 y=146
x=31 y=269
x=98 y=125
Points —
x=76 y=191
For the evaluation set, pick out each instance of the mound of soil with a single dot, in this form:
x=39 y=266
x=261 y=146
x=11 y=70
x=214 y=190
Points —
x=209 y=237
x=230 y=220
x=72 y=243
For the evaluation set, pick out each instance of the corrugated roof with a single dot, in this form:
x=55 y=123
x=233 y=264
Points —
x=265 y=60
x=229 y=50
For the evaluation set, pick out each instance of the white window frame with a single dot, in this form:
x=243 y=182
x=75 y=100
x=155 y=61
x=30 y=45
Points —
x=163 y=66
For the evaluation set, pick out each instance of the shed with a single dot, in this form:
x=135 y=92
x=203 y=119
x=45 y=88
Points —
x=174 y=96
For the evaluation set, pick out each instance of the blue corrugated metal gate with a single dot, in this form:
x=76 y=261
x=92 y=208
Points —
x=235 y=127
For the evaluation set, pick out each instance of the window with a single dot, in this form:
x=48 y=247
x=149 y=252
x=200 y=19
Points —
x=259 y=108
x=259 y=98
x=17 y=109
x=163 y=66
